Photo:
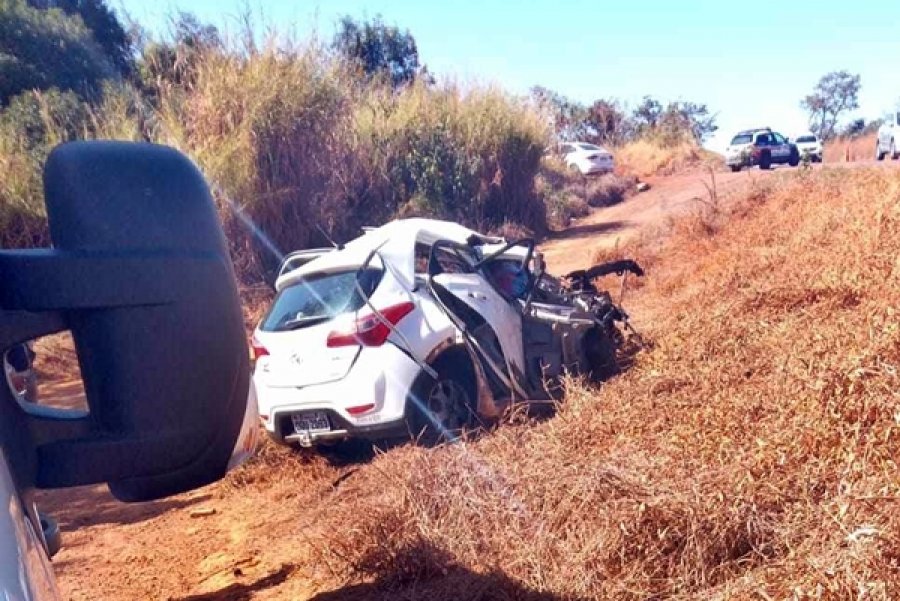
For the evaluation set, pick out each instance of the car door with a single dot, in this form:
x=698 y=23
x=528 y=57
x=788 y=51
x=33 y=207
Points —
x=780 y=147
x=454 y=272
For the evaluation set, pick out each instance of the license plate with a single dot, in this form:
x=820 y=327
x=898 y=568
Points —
x=312 y=421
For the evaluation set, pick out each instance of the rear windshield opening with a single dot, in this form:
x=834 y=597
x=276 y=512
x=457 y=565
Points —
x=806 y=140
x=318 y=298
x=742 y=139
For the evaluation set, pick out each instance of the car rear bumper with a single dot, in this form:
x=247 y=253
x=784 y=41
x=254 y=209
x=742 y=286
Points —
x=381 y=377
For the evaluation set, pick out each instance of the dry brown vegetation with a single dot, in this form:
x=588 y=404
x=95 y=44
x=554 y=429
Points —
x=750 y=454
x=651 y=156
x=858 y=148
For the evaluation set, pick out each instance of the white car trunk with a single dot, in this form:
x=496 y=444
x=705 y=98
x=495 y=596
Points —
x=290 y=364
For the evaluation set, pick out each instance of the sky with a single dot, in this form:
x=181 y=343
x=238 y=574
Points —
x=750 y=62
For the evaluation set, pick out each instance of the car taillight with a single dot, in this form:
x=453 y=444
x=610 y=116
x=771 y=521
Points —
x=258 y=349
x=369 y=330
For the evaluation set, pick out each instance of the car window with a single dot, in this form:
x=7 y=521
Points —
x=806 y=140
x=319 y=297
x=451 y=260
x=589 y=147
x=779 y=139
x=763 y=140
x=741 y=139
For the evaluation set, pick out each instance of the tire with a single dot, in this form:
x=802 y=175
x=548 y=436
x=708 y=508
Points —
x=735 y=168
x=765 y=161
x=438 y=410
x=893 y=152
x=600 y=349
x=879 y=156
x=795 y=158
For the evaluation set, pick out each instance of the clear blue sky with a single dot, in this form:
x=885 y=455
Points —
x=751 y=62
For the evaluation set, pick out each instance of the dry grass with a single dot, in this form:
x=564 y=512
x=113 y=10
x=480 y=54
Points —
x=646 y=157
x=841 y=150
x=750 y=454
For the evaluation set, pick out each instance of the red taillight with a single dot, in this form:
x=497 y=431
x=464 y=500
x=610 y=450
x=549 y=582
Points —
x=258 y=349
x=369 y=330
x=360 y=409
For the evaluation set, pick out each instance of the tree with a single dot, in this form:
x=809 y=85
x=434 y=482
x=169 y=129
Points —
x=42 y=49
x=569 y=118
x=646 y=115
x=175 y=61
x=691 y=117
x=104 y=25
x=378 y=49
x=608 y=122
x=836 y=93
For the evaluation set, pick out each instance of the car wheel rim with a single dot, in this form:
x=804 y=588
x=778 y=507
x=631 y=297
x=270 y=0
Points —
x=446 y=404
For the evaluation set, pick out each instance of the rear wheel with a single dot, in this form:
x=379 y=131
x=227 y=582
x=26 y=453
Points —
x=765 y=161
x=439 y=409
x=893 y=152
x=879 y=155
x=795 y=158
x=735 y=168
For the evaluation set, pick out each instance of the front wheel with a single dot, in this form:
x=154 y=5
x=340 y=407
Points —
x=765 y=161
x=879 y=155
x=893 y=152
x=735 y=168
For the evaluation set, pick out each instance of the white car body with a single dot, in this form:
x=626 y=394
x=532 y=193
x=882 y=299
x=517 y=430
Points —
x=25 y=570
x=588 y=159
x=359 y=339
x=809 y=145
x=362 y=389
x=888 y=141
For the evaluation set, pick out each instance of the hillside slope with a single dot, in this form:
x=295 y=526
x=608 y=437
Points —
x=749 y=453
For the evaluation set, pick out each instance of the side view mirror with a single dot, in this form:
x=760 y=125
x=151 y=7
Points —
x=140 y=273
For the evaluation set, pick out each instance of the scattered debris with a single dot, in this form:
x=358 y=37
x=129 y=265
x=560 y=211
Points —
x=203 y=512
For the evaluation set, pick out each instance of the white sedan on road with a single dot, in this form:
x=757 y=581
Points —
x=423 y=326
x=587 y=159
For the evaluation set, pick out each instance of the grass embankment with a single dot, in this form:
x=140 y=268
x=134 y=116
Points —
x=750 y=453
x=297 y=139
x=841 y=150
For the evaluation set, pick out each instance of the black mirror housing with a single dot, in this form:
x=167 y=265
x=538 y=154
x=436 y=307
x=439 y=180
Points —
x=140 y=273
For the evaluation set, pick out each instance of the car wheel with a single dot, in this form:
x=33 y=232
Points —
x=893 y=152
x=879 y=156
x=765 y=161
x=440 y=409
x=795 y=158
x=735 y=168
x=600 y=349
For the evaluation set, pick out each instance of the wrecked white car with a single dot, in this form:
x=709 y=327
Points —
x=423 y=327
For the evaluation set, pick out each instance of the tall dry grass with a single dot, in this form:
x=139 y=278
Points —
x=750 y=453
x=662 y=155
x=295 y=141
x=858 y=148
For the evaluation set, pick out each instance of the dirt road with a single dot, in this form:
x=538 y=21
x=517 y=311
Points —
x=668 y=197
x=251 y=535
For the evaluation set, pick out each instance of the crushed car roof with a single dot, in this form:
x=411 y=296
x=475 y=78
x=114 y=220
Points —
x=395 y=241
